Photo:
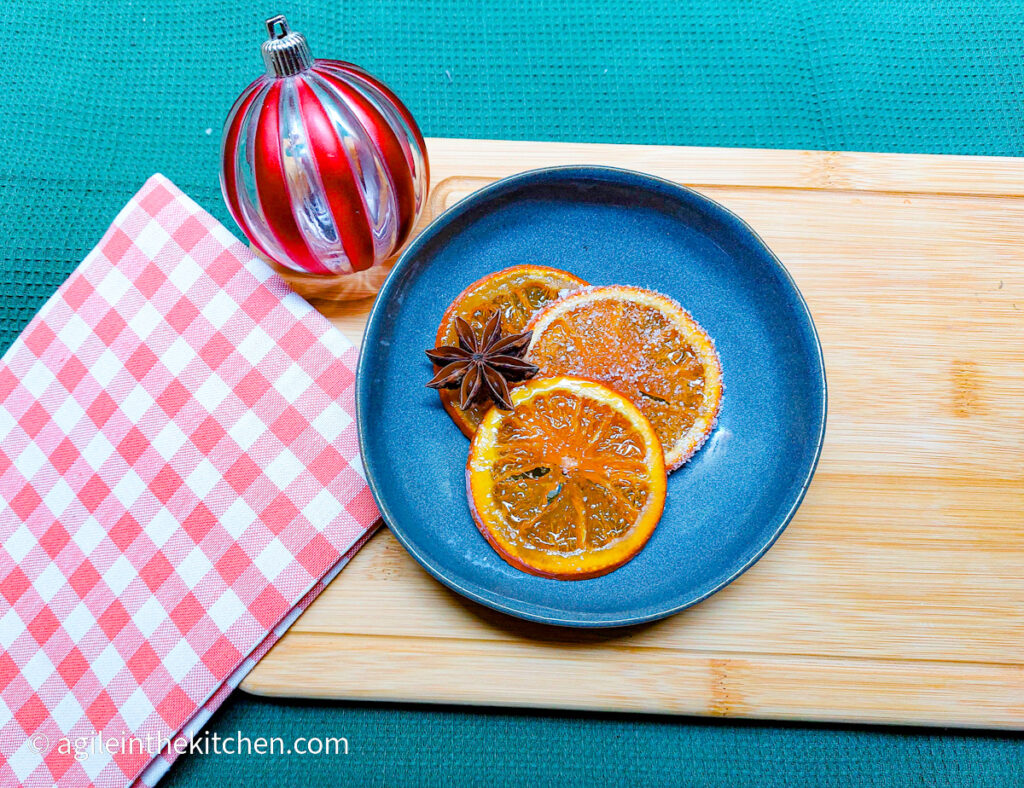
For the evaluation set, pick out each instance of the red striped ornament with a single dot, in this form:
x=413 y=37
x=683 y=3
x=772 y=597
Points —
x=323 y=168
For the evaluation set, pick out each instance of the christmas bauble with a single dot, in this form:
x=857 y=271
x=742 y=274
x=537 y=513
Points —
x=323 y=168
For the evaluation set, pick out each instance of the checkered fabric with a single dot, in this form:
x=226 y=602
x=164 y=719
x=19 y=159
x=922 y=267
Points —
x=159 y=766
x=179 y=477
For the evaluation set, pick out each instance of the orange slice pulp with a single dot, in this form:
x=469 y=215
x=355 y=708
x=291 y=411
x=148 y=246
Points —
x=517 y=292
x=643 y=345
x=571 y=483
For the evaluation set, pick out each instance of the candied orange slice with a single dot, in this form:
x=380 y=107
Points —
x=644 y=345
x=571 y=483
x=517 y=292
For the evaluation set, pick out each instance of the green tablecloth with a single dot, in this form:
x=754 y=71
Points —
x=101 y=95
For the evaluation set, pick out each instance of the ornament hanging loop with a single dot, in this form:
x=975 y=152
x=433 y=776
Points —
x=278 y=21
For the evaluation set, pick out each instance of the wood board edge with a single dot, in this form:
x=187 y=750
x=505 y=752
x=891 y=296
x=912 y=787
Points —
x=530 y=675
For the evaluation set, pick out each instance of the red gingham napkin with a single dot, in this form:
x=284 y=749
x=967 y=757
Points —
x=179 y=477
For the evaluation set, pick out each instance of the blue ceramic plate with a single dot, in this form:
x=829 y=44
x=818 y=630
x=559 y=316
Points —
x=725 y=507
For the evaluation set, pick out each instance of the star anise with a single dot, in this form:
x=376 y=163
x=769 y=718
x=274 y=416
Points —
x=482 y=368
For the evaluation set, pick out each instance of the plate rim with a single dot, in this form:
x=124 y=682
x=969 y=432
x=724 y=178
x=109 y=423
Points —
x=602 y=173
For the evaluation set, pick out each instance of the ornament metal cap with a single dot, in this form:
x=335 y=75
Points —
x=285 y=53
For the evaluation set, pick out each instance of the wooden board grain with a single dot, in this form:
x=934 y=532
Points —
x=896 y=594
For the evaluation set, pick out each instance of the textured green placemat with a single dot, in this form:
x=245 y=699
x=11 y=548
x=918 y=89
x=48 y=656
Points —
x=403 y=745
x=101 y=95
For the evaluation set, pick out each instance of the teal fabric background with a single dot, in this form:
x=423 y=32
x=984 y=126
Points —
x=101 y=95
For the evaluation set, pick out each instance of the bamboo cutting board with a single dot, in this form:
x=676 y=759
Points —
x=895 y=595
